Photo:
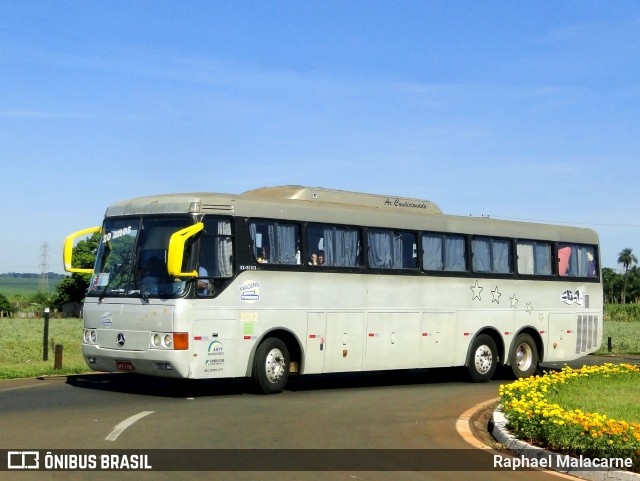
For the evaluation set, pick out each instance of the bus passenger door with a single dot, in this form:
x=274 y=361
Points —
x=438 y=340
x=316 y=342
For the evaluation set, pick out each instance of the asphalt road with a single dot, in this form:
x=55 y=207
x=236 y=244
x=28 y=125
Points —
x=349 y=419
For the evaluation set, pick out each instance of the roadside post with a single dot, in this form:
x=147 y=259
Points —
x=45 y=345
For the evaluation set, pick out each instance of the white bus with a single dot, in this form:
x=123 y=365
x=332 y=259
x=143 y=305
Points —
x=299 y=280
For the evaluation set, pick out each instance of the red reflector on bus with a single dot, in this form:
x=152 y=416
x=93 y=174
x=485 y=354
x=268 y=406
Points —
x=197 y=338
x=371 y=334
x=425 y=334
x=312 y=336
x=180 y=341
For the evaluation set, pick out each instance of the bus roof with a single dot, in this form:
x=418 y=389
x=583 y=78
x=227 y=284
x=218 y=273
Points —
x=293 y=202
x=342 y=197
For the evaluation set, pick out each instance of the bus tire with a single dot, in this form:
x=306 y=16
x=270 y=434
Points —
x=483 y=358
x=271 y=366
x=524 y=356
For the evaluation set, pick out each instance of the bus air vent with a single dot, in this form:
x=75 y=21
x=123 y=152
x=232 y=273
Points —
x=587 y=333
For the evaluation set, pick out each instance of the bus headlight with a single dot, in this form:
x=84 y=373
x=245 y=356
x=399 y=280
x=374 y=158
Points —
x=177 y=341
x=89 y=336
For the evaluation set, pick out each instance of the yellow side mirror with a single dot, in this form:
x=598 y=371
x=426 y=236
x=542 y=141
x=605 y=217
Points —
x=175 y=256
x=67 y=254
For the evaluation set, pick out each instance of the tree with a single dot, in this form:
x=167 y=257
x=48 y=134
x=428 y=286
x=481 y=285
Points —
x=5 y=305
x=74 y=288
x=612 y=283
x=627 y=259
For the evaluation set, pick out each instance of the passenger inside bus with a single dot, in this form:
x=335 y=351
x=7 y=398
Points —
x=203 y=283
x=151 y=275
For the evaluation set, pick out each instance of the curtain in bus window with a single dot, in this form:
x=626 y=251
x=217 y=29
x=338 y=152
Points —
x=283 y=243
x=592 y=270
x=347 y=247
x=398 y=245
x=432 y=252
x=543 y=259
x=581 y=258
x=564 y=255
x=253 y=235
x=224 y=250
x=526 y=261
x=481 y=255
x=501 y=256
x=341 y=247
x=454 y=254
x=380 y=249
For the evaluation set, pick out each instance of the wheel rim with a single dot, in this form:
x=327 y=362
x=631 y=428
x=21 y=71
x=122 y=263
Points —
x=275 y=365
x=483 y=359
x=524 y=356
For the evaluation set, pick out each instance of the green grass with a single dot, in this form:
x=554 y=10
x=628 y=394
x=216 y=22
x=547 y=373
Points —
x=22 y=346
x=625 y=337
x=589 y=411
x=586 y=394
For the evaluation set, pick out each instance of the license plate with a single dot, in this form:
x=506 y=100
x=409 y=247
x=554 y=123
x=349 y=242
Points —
x=125 y=366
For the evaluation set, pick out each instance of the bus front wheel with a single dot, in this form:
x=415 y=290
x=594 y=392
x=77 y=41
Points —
x=271 y=366
x=483 y=358
x=524 y=356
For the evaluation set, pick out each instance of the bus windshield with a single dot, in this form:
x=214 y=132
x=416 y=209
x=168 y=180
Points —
x=132 y=258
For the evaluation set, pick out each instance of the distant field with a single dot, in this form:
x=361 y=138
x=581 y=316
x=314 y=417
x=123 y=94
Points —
x=10 y=286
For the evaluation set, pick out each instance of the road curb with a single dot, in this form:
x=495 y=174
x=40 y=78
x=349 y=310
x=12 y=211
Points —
x=520 y=448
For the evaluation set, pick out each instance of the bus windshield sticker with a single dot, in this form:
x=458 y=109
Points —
x=250 y=291
x=100 y=280
x=116 y=233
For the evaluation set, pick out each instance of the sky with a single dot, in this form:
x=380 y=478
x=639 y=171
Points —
x=511 y=109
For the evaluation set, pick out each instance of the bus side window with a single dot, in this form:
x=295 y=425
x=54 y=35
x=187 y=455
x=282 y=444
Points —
x=391 y=250
x=577 y=260
x=534 y=258
x=339 y=245
x=443 y=252
x=275 y=242
x=492 y=255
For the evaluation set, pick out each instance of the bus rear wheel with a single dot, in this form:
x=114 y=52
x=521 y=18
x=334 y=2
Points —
x=524 y=356
x=271 y=366
x=483 y=358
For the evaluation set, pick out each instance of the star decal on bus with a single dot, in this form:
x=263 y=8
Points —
x=476 y=291
x=496 y=295
x=514 y=301
x=529 y=308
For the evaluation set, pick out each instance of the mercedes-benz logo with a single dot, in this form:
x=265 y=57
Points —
x=120 y=339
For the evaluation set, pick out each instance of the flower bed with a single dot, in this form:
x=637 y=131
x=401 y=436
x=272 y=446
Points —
x=534 y=419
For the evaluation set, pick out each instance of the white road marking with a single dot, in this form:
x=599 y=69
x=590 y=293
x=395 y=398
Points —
x=117 y=431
